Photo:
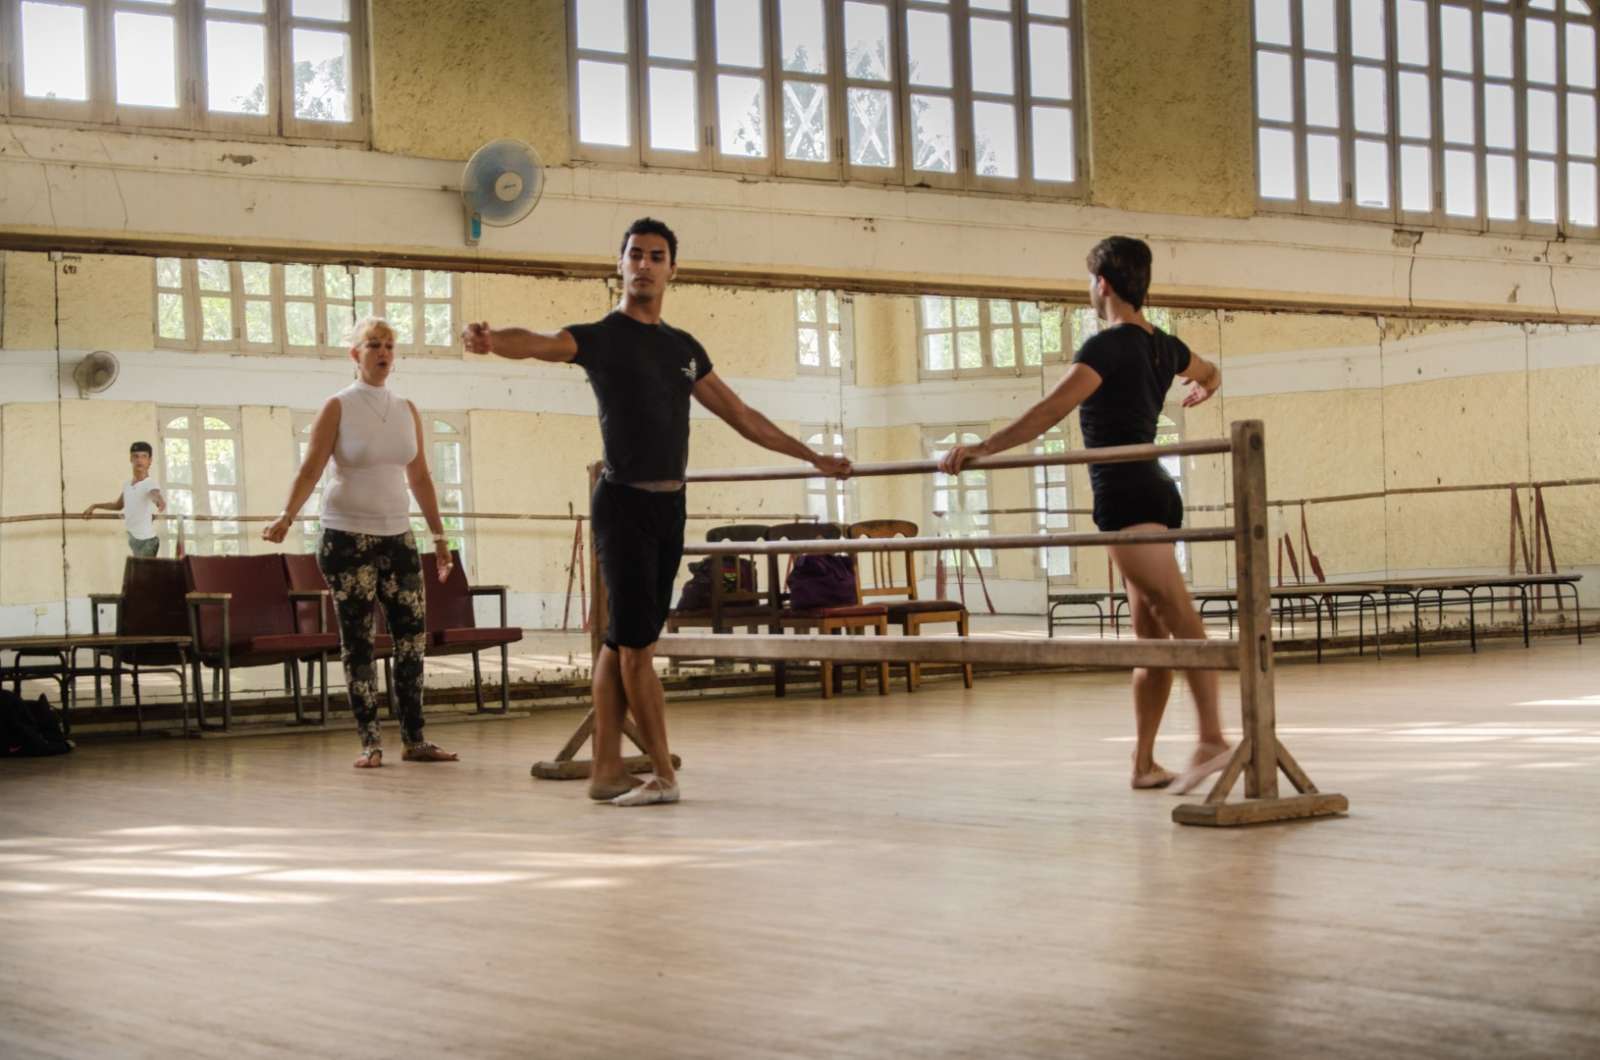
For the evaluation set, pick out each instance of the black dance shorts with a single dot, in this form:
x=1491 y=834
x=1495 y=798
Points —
x=1120 y=505
x=638 y=539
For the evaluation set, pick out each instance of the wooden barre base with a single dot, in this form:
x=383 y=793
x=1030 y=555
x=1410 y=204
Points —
x=1260 y=811
x=1008 y=651
x=579 y=768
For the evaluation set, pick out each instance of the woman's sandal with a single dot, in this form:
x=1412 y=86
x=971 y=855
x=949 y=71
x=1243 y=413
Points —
x=427 y=752
x=370 y=758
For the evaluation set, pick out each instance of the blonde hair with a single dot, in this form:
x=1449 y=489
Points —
x=360 y=329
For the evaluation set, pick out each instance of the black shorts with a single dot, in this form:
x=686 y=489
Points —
x=638 y=539
x=1121 y=505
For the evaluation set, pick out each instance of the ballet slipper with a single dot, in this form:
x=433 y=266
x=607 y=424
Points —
x=607 y=790
x=428 y=752
x=1152 y=778
x=653 y=792
x=371 y=758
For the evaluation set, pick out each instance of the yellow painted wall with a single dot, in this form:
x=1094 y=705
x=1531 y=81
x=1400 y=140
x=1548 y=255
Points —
x=32 y=484
x=747 y=333
x=1170 y=106
x=885 y=340
x=29 y=316
x=449 y=76
x=529 y=462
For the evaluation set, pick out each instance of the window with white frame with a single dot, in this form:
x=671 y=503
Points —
x=958 y=503
x=986 y=336
x=829 y=500
x=205 y=304
x=200 y=476
x=449 y=454
x=1085 y=323
x=974 y=94
x=1466 y=113
x=822 y=333
x=1052 y=496
x=279 y=68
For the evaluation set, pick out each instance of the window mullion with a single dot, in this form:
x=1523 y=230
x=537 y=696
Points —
x=1022 y=85
x=1297 y=78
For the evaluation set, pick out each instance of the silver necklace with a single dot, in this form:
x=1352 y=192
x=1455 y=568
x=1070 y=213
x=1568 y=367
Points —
x=388 y=405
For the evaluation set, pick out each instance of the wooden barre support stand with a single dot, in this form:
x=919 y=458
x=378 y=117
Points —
x=982 y=650
x=1259 y=755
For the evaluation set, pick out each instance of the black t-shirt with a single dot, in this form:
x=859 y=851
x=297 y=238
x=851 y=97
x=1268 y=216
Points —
x=642 y=376
x=1136 y=370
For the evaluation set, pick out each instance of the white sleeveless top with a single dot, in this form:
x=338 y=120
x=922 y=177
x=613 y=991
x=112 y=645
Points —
x=377 y=439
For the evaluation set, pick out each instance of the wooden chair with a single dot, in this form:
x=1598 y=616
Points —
x=905 y=609
x=453 y=628
x=750 y=607
x=150 y=604
x=242 y=614
x=846 y=618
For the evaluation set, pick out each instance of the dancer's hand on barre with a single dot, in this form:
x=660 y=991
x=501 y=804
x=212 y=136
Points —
x=277 y=530
x=445 y=561
x=833 y=466
x=478 y=337
x=958 y=455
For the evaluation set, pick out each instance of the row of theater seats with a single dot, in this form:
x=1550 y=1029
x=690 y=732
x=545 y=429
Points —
x=882 y=598
x=275 y=610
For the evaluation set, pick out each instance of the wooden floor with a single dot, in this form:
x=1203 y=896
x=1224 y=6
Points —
x=947 y=874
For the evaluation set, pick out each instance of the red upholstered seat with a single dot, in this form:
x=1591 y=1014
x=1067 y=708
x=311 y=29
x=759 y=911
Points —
x=252 y=593
x=900 y=608
x=296 y=643
x=260 y=612
x=452 y=627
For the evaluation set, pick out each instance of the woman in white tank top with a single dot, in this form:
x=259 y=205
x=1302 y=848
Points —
x=367 y=552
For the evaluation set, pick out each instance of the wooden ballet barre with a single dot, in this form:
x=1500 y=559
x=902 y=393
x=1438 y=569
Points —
x=1111 y=454
x=982 y=650
x=1257 y=758
x=937 y=544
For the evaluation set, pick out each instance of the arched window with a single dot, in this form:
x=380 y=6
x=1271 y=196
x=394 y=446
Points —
x=962 y=500
x=201 y=477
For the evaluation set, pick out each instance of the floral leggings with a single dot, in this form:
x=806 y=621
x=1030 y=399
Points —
x=363 y=570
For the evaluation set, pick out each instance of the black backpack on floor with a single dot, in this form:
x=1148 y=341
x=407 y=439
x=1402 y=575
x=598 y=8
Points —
x=29 y=730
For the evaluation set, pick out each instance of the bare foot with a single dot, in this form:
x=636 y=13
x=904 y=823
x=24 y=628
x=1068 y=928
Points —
x=1149 y=776
x=1154 y=777
x=1208 y=759
x=371 y=758
x=607 y=788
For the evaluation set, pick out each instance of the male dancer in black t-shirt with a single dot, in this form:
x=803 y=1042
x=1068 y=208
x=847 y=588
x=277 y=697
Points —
x=643 y=372
x=1119 y=379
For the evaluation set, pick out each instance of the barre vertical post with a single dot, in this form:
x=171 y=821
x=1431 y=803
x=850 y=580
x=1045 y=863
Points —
x=1253 y=572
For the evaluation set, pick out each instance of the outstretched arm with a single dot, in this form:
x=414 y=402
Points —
x=719 y=397
x=110 y=506
x=1204 y=379
x=1079 y=382
x=519 y=344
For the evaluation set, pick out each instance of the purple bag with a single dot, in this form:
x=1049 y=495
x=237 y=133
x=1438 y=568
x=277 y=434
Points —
x=818 y=581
